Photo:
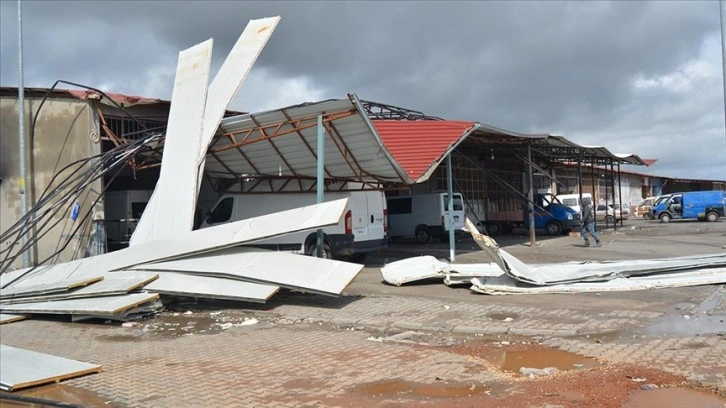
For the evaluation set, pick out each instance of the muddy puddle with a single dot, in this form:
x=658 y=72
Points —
x=514 y=361
x=69 y=395
x=399 y=388
x=674 y=398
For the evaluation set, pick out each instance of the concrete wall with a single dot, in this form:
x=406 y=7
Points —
x=63 y=134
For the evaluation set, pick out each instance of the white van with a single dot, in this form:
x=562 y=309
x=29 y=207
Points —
x=573 y=200
x=362 y=228
x=423 y=216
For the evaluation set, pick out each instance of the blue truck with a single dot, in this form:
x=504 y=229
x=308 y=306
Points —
x=698 y=205
x=550 y=215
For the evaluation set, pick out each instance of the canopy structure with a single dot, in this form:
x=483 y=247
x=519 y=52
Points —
x=370 y=144
x=276 y=150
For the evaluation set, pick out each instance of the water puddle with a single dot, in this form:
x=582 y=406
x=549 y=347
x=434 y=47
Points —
x=399 y=387
x=513 y=361
x=57 y=393
x=674 y=398
x=171 y=326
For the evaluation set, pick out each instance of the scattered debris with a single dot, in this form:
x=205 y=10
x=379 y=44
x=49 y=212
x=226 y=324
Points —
x=509 y=275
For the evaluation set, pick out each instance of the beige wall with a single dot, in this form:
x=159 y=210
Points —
x=62 y=135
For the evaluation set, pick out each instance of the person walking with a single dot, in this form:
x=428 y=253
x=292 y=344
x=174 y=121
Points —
x=588 y=225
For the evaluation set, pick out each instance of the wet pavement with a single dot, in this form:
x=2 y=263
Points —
x=417 y=345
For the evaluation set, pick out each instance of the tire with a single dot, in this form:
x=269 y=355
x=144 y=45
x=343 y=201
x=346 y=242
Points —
x=507 y=228
x=553 y=228
x=493 y=228
x=423 y=234
x=665 y=217
x=712 y=216
x=312 y=251
x=609 y=219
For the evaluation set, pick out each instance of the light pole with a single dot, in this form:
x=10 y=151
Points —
x=21 y=138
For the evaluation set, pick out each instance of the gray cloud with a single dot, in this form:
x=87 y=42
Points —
x=636 y=77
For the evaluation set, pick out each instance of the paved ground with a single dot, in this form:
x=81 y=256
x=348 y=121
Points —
x=364 y=348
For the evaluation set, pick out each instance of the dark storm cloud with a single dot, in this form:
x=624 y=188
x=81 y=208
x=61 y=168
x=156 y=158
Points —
x=569 y=67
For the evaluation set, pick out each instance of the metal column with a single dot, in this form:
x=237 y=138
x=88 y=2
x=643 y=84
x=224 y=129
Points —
x=321 y=181
x=612 y=185
x=450 y=206
x=620 y=193
x=531 y=197
x=21 y=139
x=579 y=182
x=592 y=179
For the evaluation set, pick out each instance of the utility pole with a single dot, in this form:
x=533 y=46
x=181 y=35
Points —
x=21 y=138
x=721 y=18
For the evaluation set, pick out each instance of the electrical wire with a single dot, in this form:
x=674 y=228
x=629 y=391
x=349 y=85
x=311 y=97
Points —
x=67 y=185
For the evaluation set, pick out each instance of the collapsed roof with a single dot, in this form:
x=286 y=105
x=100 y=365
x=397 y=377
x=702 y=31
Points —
x=377 y=145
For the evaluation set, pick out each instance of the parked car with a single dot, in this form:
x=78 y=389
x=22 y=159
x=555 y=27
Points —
x=624 y=210
x=608 y=214
x=641 y=211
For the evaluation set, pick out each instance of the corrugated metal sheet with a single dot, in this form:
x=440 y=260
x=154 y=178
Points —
x=421 y=145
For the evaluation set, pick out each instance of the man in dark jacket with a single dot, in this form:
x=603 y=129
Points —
x=588 y=221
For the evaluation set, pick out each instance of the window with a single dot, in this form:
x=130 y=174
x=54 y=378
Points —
x=458 y=203
x=570 y=202
x=222 y=212
x=399 y=206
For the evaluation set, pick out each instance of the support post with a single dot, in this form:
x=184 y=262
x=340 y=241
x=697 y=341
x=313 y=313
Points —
x=620 y=193
x=21 y=139
x=450 y=206
x=532 y=242
x=579 y=182
x=321 y=181
x=592 y=179
x=612 y=185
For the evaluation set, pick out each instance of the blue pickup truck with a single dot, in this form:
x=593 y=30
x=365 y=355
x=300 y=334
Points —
x=697 y=205
x=550 y=215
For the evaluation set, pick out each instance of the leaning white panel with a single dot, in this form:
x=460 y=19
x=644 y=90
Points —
x=305 y=273
x=21 y=368
x=170 y=210
x=228 y=80
x=179 y=284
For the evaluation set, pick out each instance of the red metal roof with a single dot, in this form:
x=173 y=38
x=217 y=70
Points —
x=419 y=146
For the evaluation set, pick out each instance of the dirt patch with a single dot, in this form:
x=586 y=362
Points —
x=578 y=381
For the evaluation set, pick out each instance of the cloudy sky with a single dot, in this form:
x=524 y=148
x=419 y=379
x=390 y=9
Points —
x=636 y=77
